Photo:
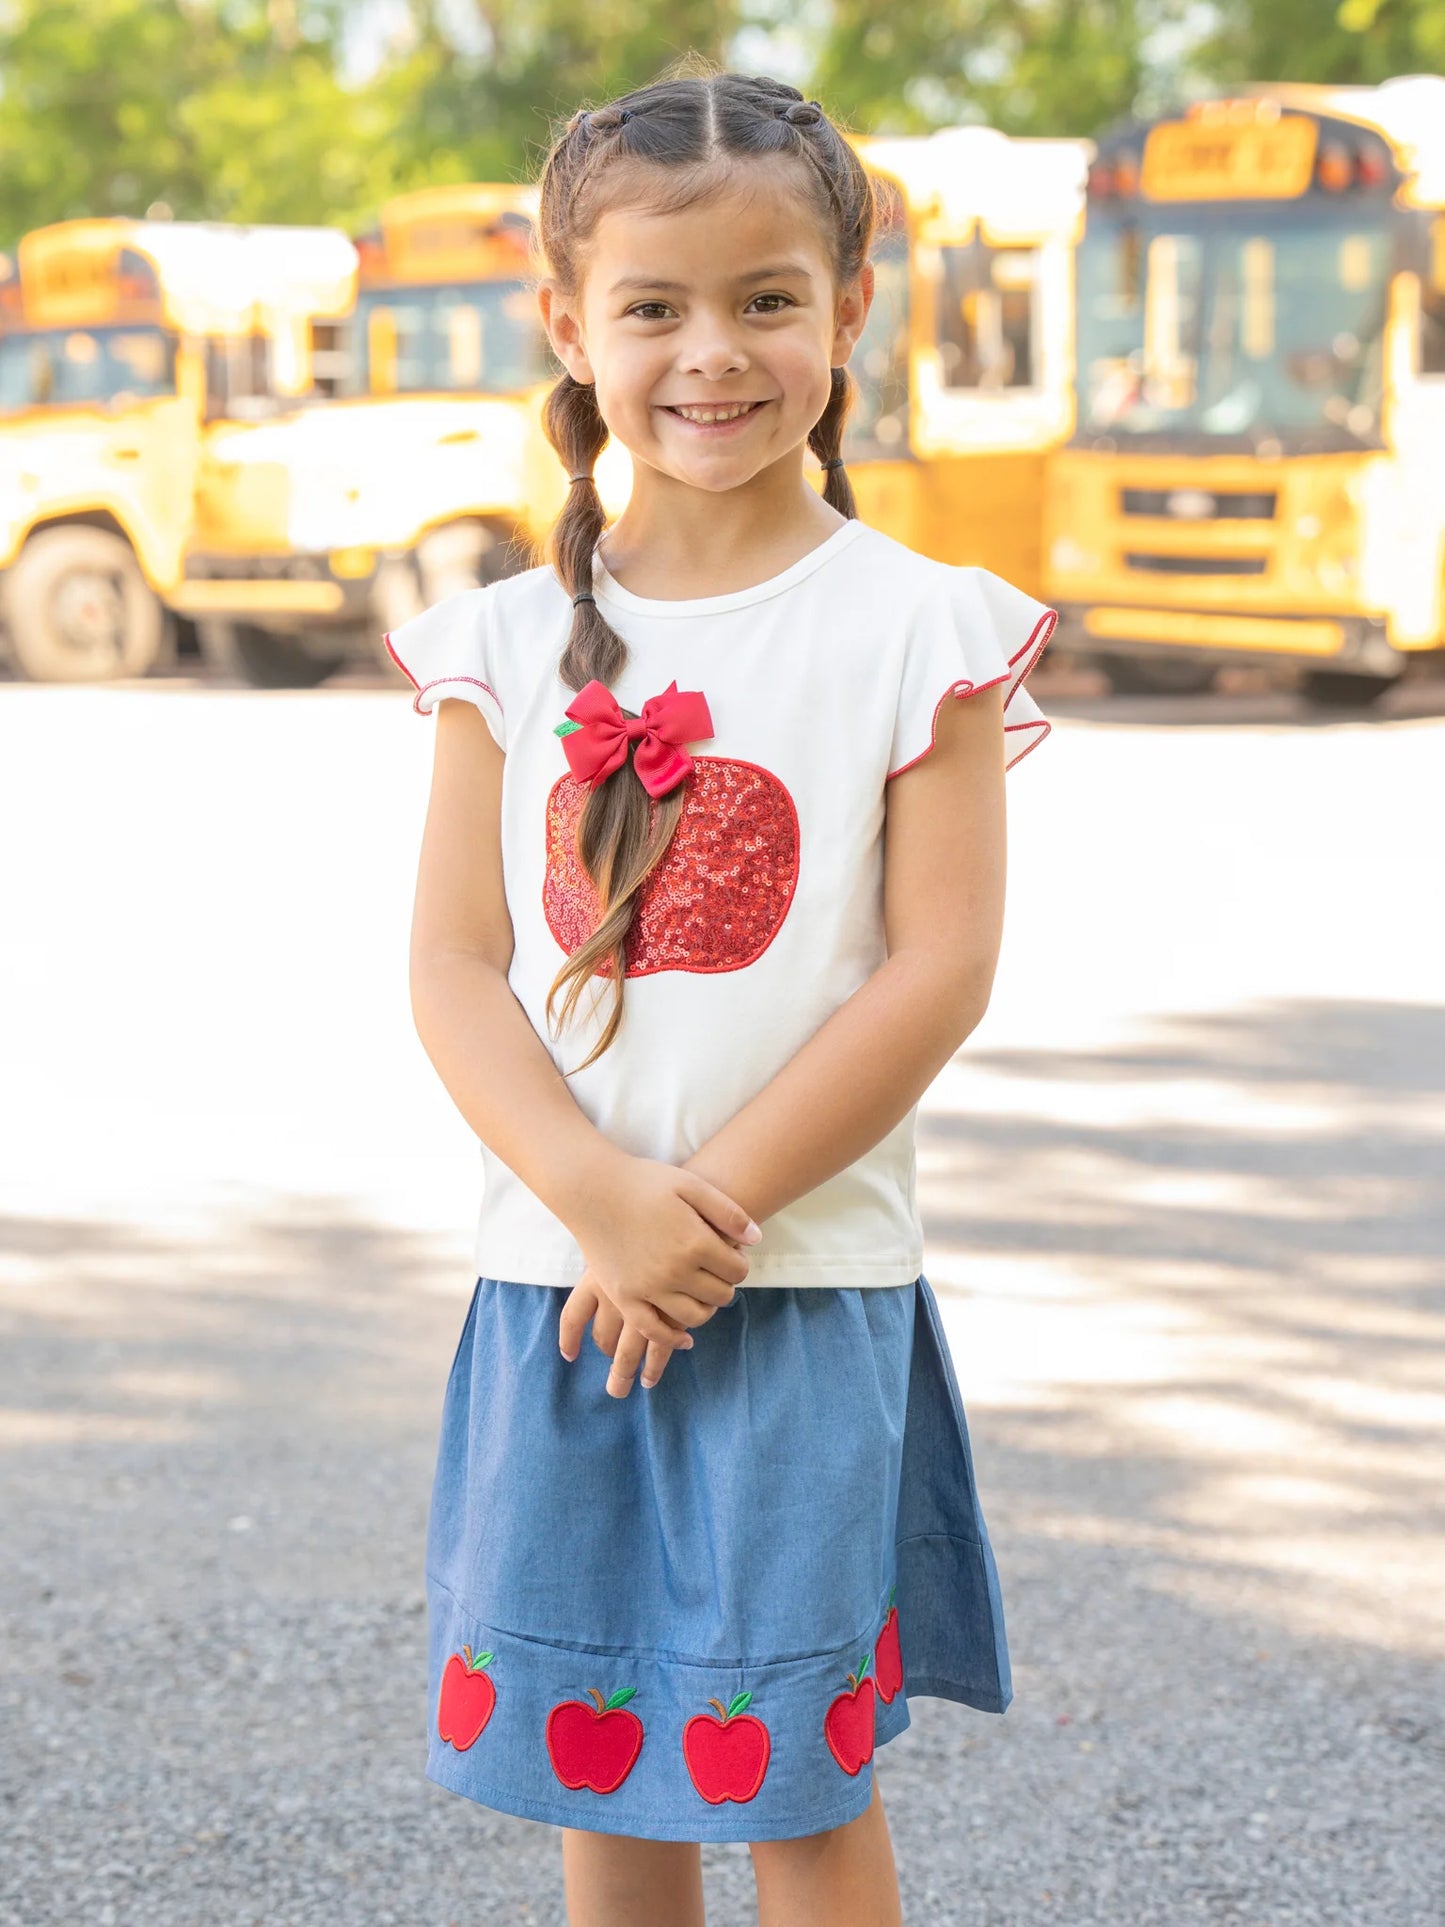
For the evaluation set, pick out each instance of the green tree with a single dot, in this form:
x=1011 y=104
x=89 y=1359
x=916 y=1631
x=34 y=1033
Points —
x=1054 y=67
x=1350 y=42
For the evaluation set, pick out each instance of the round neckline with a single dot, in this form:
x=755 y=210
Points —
x=608 y=589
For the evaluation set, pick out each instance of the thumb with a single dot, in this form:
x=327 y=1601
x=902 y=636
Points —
x=723 y=1213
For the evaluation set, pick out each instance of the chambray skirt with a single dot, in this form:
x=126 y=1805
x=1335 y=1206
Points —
x=694 y=1613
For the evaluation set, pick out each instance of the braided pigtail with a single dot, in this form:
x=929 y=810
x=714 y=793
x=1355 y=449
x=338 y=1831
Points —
x=672 y=143
x=622 y=833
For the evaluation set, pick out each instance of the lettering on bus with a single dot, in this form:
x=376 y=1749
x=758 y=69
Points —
x=1199 y=161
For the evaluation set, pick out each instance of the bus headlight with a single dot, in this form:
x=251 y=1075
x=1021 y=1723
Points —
x=1072 y=558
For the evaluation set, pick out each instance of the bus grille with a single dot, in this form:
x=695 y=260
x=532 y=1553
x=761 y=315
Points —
x=1200 y=505
x=1198 y=564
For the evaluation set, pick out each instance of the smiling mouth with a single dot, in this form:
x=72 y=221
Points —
x=706 y=414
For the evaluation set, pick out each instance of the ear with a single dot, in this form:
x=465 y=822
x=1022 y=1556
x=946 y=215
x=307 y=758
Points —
x=853 y=306
x=561 y=322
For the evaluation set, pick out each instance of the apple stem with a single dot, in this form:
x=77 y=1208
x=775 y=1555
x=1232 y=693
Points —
x=467 y=1656
x=719 y=1708
x=594 y=1694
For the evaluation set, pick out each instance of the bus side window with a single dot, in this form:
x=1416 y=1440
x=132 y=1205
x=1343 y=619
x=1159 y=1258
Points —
x=1432 y=303
x=986 y=317
x=332 y=362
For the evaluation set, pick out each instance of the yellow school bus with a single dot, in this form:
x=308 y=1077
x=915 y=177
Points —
x=965 y=364
x=121 y=343
x=1256 y=473
x=426 y=470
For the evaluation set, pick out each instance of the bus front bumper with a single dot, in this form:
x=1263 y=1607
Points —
x=279 y=589
x=1356 y=643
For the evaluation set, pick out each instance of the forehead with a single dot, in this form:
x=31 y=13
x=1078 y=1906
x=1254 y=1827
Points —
x=732 y=231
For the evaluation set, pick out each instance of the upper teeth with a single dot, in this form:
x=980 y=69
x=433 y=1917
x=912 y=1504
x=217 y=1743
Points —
x=714 y=414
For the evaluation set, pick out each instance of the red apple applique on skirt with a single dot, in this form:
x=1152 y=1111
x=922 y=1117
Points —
x=720 y=894
x=727 y=1756
x=888 y=1655
x=594 y=1746
x=466 y=1700
x=848 y=1724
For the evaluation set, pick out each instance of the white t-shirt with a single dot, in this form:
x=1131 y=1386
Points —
x=766 y=913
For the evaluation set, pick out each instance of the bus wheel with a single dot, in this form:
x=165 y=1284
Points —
x=1343 y=689
x=265 y=659
x=78 y=609
x=1157 y=675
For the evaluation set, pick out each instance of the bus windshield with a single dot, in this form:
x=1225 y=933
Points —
x=481 y=337
x=58 y=366
x=1232 y=330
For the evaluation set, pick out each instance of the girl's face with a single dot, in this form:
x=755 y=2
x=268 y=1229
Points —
x=729 y=301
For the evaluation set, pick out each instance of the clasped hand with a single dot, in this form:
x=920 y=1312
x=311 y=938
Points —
x=664 y=1254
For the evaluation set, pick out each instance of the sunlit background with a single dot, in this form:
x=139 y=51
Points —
x=1159 y=335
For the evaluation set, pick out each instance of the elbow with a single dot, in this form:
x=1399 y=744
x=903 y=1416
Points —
x=963 y=1000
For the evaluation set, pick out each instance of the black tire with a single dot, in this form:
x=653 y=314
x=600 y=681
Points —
x=1345 y=689
x=1157 y=675
x=265 y=659
x=78 y=609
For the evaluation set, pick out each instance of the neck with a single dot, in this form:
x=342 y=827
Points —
x=676 y=541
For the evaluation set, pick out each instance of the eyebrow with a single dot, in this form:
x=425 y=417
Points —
x=680 y=287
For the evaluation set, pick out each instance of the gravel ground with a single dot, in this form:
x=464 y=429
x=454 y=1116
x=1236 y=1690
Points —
x=1185 y=1216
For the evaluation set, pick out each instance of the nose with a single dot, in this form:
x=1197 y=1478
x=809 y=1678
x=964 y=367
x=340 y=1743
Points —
x=713 y=348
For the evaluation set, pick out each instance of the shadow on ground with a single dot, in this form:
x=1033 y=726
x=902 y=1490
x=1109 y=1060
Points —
x=1215 y=1528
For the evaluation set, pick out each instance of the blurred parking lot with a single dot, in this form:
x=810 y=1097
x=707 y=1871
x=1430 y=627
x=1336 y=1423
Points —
x=1185 y=1214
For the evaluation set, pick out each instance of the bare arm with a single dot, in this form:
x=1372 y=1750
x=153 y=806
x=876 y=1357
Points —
x=864 y=1068
x=659 y=1229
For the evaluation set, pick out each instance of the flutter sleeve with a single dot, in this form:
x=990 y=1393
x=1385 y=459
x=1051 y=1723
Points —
x=448 y=651
x=974 y=631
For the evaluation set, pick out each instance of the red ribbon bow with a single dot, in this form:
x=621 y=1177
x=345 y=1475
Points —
x=599 y=745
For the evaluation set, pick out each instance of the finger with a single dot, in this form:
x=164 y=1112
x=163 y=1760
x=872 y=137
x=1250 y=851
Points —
x=655 y=1327
x=710 y=1287
x=723 y=1213
x=626 y=1361
x=607 y=1327
x=654 y=1364
x=688 y=1311
x=581 y=1305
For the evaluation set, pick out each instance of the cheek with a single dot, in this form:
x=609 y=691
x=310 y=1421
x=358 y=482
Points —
x=630 y=378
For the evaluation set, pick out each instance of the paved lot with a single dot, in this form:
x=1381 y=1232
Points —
x=1185 y=1213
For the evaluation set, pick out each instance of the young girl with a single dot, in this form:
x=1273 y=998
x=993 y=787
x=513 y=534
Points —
x=710 y=889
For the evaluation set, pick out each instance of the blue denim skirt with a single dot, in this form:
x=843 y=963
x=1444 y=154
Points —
x=694 y=1613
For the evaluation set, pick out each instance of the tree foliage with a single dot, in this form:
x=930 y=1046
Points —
x=244 y=109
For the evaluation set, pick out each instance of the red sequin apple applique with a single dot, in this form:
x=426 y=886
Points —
x=594 y=1746
x=467 y=1699
x=720 y=894
x=727 y=1756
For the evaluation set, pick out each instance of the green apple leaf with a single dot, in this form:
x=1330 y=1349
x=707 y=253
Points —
x=742 y=1701
x=566 y=729
x=620 y=1698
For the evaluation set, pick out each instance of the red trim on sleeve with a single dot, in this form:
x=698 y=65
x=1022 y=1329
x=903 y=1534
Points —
x=1032 y=650
x=436 y=683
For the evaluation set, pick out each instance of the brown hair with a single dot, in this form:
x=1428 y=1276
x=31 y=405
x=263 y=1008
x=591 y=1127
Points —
x=704 y=129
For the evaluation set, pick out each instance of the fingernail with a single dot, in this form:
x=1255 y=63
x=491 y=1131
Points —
x=687 y=1343
x=752 y=1233
x=648 y=1383
x=569 y=1356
